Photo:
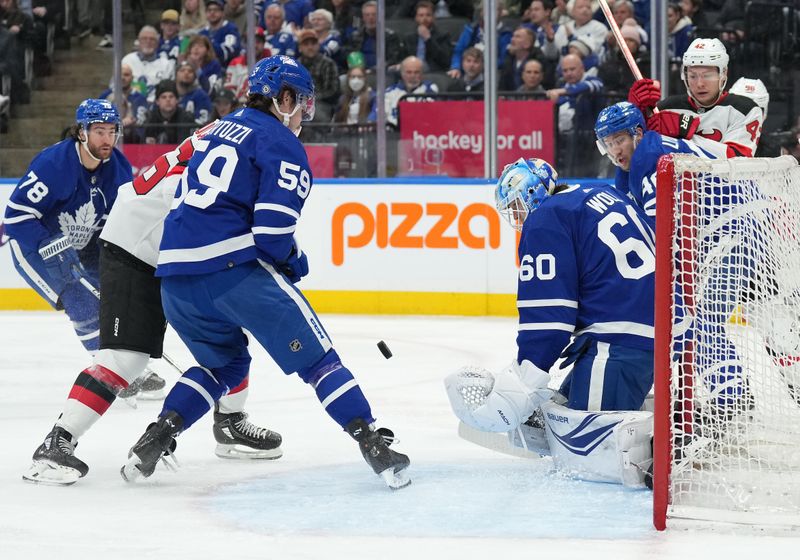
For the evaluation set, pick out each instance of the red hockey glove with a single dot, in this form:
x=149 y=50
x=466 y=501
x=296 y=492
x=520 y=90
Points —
x=645 y=93
x=672 y=124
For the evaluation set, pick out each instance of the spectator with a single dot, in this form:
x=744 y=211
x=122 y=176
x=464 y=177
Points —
x=429 y=44
x=236 y=13
x=520 y=50
x=560 y=14
x=209 y=71
x=192 y=98
x=590 y=60
x=344 y=16
x=170 y=43
x=791 y=145
x=693 y=9
x=44 y=13
x=411 y=81
x=224 y=104
x=330 y=40
x=16 y=30
x=472 y=36
x=136 y=101
x=357 y=98
x=296 y=13
x=577 y=98
x=148 y=67
x=614 y=71
x=471 y=79
x=237 y=71
x=363 y=39
x=193 y=17
x=223 y=34
x=278 y=40
x=324 y=72
x=731 y=22
x=532 y=76
x=543 y=28
x=623 y=11
x=167 y=122
x=681 y=32
x=588 y=30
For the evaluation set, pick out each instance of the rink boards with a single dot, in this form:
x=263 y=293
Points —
x=397 y=246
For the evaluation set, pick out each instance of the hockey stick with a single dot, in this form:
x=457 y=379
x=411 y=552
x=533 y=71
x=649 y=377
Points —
x=623 y=46
x=494 y=441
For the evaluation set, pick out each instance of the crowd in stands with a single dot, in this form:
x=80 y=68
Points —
x=557 y=50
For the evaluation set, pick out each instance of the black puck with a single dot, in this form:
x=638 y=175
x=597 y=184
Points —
x=384 y=350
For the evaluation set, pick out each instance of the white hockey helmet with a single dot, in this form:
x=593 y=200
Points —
x=706 y=52
x=755 y=90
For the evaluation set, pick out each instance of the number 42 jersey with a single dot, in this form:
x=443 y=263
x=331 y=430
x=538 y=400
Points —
x=239 y=199
x=587 y=267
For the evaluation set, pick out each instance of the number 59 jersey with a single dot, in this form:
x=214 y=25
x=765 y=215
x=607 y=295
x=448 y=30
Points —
x=587 y=267
x=239 y=199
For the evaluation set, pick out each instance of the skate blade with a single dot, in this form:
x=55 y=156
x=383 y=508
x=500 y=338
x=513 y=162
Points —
x=395 y=480
x=242 y=452
x=42 y=472
x=131 y=402
x=130 y=470
x=157 y=395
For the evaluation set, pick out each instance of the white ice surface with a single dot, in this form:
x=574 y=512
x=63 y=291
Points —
x=319 y=500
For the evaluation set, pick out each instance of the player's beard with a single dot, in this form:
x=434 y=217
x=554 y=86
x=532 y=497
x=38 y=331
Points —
x=101 y=152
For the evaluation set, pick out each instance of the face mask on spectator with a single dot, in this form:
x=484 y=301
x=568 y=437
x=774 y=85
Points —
x=356 y=84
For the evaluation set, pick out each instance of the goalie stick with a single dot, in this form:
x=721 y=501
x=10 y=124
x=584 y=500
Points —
x=494 y=441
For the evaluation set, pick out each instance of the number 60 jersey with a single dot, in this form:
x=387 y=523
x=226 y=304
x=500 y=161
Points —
x=587 y=267
x=239 y=199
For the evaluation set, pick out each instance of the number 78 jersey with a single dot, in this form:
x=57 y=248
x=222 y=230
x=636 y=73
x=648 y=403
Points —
x=239 y=199
x=587 y=267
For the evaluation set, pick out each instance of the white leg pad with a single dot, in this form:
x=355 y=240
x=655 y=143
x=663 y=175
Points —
x=600 y=446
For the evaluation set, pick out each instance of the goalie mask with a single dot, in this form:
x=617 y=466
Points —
x=522 y=188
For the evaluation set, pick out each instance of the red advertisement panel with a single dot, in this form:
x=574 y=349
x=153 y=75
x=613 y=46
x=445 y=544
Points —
x=446 y=137
x=320 y=157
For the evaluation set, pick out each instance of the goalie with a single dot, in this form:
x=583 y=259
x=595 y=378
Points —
x=587 y=274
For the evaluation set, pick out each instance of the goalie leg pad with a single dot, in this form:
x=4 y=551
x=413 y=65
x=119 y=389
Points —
x=600 y=446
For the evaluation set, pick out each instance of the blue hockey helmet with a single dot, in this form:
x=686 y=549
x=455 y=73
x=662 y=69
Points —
x=273 y=73
x=522 y=187
x=97 y=111
x=619 y=117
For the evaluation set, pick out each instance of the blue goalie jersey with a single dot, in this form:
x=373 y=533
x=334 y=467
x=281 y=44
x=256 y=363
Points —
x=640 y=182
x=240 y=198
x=587 y=267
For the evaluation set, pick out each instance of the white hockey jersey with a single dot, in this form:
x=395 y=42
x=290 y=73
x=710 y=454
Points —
x=136 y=222
x=735 y=121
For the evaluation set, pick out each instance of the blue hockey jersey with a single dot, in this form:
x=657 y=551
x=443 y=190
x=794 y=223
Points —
x=198 y=104
x=640 y=182
x=226 y=41
x=59 y=195
x=587 y=267
x=239 y=199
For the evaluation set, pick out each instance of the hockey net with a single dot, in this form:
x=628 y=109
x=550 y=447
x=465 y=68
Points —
x=727 y=366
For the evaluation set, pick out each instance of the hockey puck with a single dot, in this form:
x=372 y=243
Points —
x=384 y=350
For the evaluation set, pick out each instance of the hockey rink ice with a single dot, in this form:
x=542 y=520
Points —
x=320 y=500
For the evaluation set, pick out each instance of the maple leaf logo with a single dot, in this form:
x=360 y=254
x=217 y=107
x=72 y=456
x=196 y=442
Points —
x=81 y=228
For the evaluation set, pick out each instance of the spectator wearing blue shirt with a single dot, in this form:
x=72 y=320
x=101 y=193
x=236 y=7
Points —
x=223 y=34
x=209 y=71
x=543 y=28
x=330 y=40
x=364 y=38
x=472 y=36
x=295 y=12
x=170 y=43
x=278 y=41
x=192 y=98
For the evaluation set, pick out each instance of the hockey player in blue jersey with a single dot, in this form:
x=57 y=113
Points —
x=587 y=271
x=58 y=208
x=229 y=261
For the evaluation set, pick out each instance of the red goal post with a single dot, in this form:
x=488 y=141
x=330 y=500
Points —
x=727 y=342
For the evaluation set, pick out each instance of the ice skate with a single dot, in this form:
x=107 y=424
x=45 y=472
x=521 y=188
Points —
x=147 y=387
x=157 y=443
x=390 y=465
x=237 y=438
x=54 y=461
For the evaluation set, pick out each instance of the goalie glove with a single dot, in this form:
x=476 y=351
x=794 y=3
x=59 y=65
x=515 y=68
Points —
x=645 y=94
x=497 y=403
x=672 y=124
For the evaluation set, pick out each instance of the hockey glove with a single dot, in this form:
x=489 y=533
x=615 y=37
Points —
x=672 y=124
x=645 y=94
x=61 y=259
x=296 y=266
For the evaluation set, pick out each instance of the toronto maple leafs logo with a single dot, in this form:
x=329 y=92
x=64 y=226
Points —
x=80 y=228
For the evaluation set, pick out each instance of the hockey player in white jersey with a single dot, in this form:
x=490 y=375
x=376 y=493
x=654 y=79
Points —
x=132 y=327
x=706 y=110
x=587 y=272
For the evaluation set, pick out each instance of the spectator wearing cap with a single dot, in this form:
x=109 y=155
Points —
x=146 y=64
x=471 y=80
x=209 y=71
x=224 y=104
x=191 y=97
x=433 y=47
x=167 y=122
x=330 y=40
x=614 y=71
x=532 y=76
x=520 y=50
x=472 y=36
x=278 y=40
x=583 y=27
x=170 y=43
x=323 y=71
x=237 y=72
x=224 y=35
x=590 y=60
x=364 y=38
x=193 y=17
x=411 y=81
